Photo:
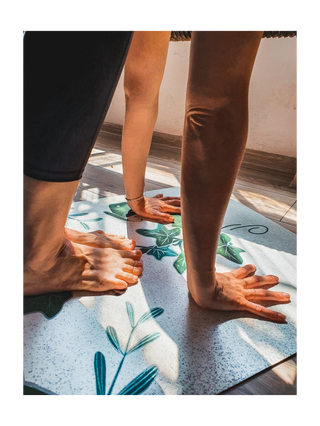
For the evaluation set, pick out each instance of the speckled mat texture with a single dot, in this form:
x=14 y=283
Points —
x=154 y=340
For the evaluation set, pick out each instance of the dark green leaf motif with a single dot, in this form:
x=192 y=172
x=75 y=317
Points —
x=141 y=382
x=100 y=372
x=48 y=304
x=180 y=263
x=113 y=338
x=160 y=252
x=130 y=313
x=147 y=339
x=226 y=249
x=163 y=235
x=153 y=313
x=122 y=211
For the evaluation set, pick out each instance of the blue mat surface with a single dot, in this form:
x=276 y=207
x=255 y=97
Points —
x=154 y=339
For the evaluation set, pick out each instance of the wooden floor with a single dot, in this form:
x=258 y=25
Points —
x=263 y=184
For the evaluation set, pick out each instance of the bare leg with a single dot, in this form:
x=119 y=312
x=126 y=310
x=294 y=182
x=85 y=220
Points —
x=144 y=68
x=54 y=263
x=214 y=140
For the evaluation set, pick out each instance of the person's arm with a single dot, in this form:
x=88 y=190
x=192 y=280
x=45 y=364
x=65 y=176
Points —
x=144 y=69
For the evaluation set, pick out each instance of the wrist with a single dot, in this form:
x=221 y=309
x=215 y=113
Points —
x=136 y=204
x=141 y=197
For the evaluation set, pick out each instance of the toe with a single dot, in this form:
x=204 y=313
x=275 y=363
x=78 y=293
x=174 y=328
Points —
x=131 y=254
x=133 y=270
x=128 y=278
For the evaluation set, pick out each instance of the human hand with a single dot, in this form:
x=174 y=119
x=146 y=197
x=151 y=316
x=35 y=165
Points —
x=241 y=290
x=156 y=208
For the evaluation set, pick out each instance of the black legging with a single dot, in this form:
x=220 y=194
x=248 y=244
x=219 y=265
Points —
x=69 y=82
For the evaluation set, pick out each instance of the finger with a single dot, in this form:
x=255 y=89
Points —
x=171 y=209
x=271 y=296
x=244 y=271
x=165 y=218
x=263 y=312
x=157 y=196
x=260 y=280
x=161 y=217
x=172 y=202
x=170 y=198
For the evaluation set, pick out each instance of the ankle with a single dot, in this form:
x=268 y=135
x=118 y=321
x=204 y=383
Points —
x=42 y=258
x=202 y=289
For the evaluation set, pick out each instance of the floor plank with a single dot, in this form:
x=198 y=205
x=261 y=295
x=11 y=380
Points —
x=278 y=380
x=257 y=186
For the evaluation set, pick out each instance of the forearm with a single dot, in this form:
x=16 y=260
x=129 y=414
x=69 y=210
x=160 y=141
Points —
x=136 y=140
x=144 y=70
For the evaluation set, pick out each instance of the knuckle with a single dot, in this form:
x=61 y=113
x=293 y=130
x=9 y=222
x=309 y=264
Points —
x=259 y=308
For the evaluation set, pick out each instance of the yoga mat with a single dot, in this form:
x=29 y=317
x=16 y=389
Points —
x=154 y=339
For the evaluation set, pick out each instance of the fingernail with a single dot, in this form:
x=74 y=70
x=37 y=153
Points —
x=286 y=295
x=275 y=278
x=281 y=316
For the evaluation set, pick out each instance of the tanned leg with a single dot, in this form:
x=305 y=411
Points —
x=214 y=140
x=52 y=262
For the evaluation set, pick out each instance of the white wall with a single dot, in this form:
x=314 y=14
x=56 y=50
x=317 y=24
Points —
x=272 y=125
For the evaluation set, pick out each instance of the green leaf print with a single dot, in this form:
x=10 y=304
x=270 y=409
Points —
x=141 y=382
x=163 y=235
x=113 y=338
x=120 y=209
x=100 y=372
x=160 y=252
x=48 y=304
x=180 y=263
x=177 y=221
x=226 y=249
x=130 y=313
x=157 y=252
x=144 y=341
x=153 y=313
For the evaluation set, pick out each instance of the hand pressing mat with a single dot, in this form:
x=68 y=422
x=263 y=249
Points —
x=154 y=339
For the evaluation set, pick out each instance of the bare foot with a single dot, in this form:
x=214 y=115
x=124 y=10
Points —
x=86 y=268
x=100 y=239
